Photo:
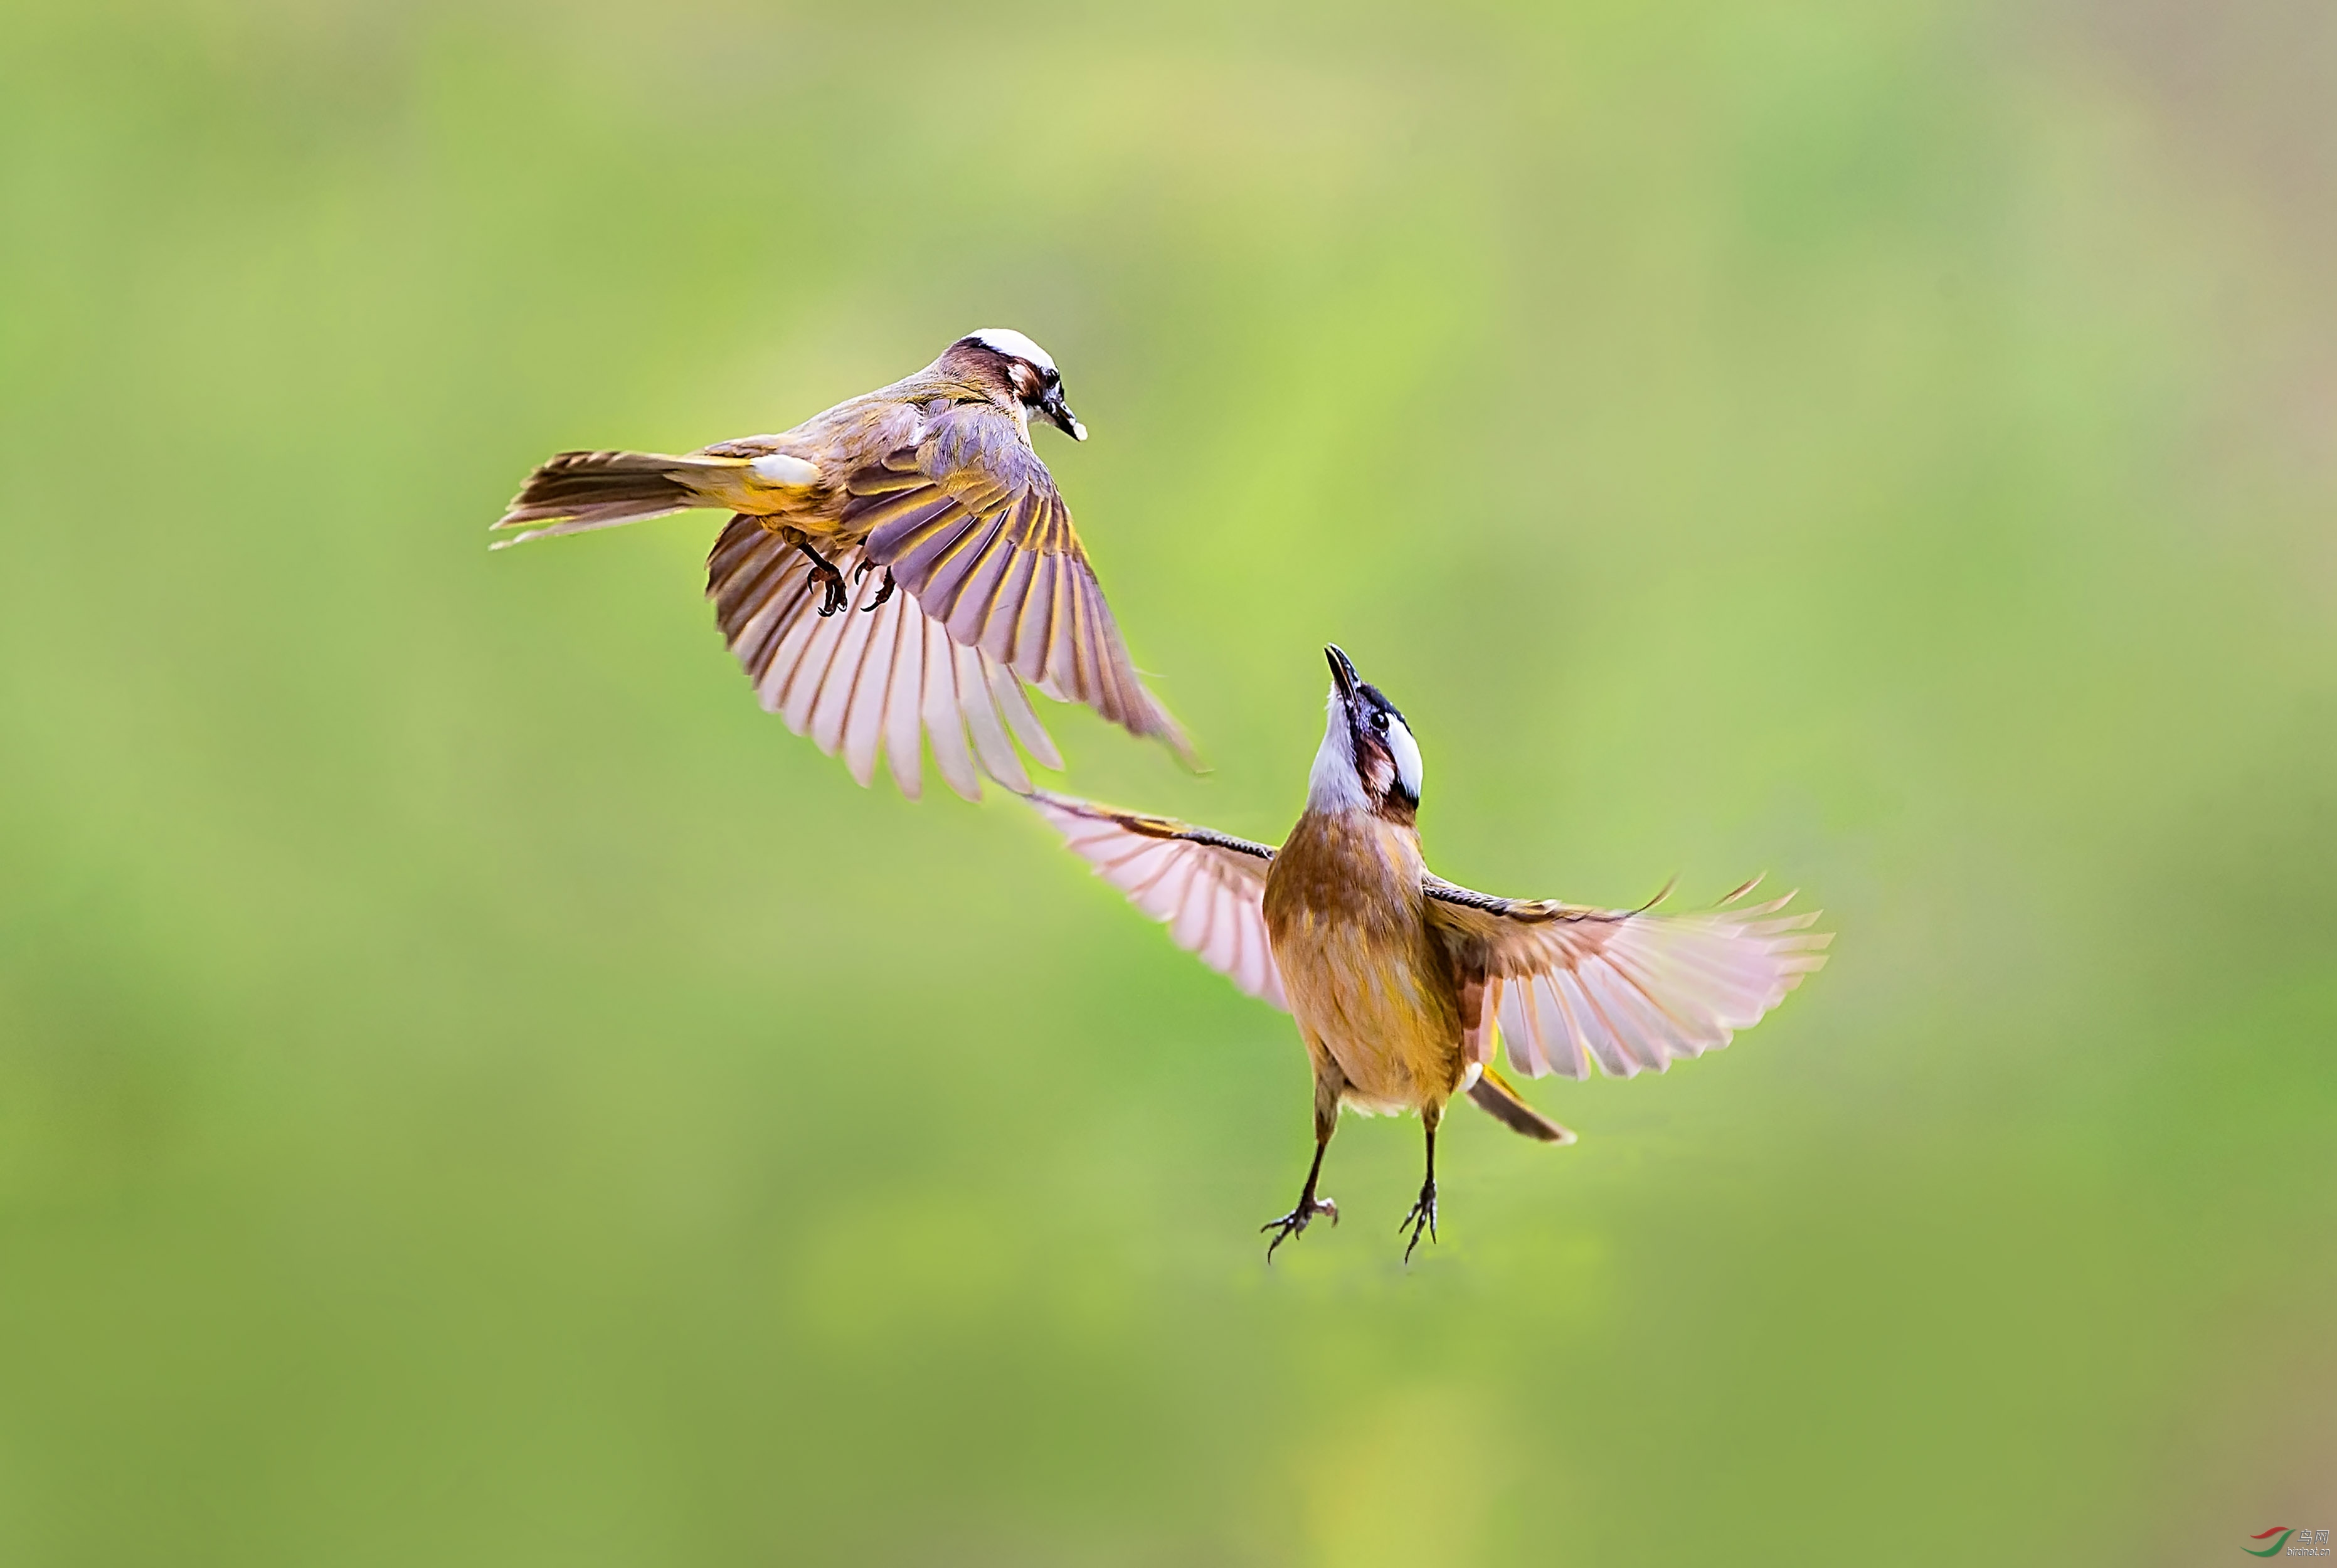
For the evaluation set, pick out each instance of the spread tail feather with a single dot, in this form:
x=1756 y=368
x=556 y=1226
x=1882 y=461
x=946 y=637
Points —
x=1493 y=1095
x=576 y=492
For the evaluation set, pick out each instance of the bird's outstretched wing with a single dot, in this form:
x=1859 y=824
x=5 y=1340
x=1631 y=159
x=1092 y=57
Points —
x=969 y=521
x=864 y=680
x=1629 y=990
x=1210 y=888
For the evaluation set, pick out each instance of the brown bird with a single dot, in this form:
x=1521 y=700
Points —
x=980 y=584
x=1397 y=978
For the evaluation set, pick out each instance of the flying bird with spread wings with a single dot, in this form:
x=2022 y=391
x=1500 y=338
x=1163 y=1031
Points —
x=897 y=570
x=1398 y=978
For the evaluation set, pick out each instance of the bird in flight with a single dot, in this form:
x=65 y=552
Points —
x=898 y=569
x=1397 y=978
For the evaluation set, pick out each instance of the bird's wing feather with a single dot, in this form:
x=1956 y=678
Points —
x=1628 y=990
x=969 y=520
x=868 y=683
x=1208 y=887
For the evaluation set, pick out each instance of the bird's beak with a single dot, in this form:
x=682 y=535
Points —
x=1343 y=671
x=1059 y=413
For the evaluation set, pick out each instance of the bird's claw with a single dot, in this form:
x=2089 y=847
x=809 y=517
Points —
x=1421 y=1217
x=882 y=593
x=1292 y=1223
x=830 y=582
x=823 y=576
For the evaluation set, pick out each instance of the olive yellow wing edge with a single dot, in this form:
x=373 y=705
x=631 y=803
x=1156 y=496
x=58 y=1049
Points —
x=971 y=522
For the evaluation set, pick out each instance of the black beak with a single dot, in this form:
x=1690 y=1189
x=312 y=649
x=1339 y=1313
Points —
x=1343 y=671
x=1059 y=413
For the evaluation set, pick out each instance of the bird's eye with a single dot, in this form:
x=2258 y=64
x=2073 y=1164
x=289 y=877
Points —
x=1051 y=377
x=1379 y=722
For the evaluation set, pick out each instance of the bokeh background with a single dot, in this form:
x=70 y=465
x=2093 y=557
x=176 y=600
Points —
x=474 y=1089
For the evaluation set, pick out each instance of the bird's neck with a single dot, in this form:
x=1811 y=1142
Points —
x=969 y=378
x=1334 y=787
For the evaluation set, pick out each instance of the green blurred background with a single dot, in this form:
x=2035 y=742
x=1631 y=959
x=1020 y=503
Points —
x=474 y=1091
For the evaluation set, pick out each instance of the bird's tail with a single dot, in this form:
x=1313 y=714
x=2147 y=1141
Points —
x=577 y=492
x=1493 y=1094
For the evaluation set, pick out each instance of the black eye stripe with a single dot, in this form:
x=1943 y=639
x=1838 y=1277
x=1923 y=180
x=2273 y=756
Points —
x=1380 y=704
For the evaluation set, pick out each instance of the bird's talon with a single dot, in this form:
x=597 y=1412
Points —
x=882 y=593
x=1297 y=1221
x=1423 y=1218
x=834 y=595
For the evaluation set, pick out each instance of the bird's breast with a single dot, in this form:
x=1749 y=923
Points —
x=1365 y=979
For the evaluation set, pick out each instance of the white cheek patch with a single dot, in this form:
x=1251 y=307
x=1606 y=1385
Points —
x=1013 y=345
x=1406 y=752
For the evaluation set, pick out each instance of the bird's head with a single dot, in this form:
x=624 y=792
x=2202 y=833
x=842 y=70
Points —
x=1369 y=760
x=1002 y=357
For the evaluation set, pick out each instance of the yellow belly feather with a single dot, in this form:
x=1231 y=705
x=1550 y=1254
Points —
x=1365 y=979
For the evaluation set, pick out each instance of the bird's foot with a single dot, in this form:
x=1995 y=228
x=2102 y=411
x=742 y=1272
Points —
x=883 y=593
x=825 y=577
x=1292 y=1223
x=1421 y=1217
